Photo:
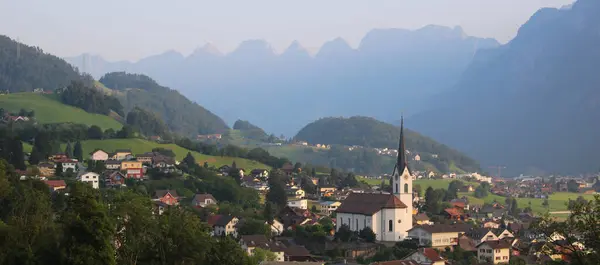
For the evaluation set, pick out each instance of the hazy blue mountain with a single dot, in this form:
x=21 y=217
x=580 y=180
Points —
x=532 y=104
x=391 y=71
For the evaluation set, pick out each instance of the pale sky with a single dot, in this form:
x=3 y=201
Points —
x=133 y=29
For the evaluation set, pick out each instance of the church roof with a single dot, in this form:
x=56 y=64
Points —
x=401 y=163
x=369 y=203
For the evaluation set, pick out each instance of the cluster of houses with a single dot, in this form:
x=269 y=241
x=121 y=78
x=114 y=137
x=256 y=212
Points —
x=539 y=187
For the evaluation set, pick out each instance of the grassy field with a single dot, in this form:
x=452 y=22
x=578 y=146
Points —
x=27 y=147
x=48 y=110
x=139 y=146
x=556 y=202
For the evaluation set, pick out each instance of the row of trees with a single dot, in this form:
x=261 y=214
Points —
x=91 y=100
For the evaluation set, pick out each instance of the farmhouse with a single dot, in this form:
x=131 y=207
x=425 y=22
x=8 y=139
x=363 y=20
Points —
x=99 y=155
x=91 y=178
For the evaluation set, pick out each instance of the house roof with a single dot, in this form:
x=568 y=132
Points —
x=421 y=217
x=466 y=243
x=453 y=211
x=431 y=254
x=296 y=251
x=369 y=203
x=443 y=228
x=224 y=220
x=396 y=262
x=162 y=193
x=495 y=244
x=96 y=150
x=478 y=233
x=55 y=183
x=258 y=171
x=261 y=241
x=203 y=197
x=112 y=162
x=45 y=164
x=213 y=219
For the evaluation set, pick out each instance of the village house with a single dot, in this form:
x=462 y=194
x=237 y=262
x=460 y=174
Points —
x=491 y=224
x=224 y=225
x=113 y=178
x=90 y=177
x=130 y=164
x=328 y=207
x=168 y=197
x=112 y=164
x=121 y=154
x=455 y=213
x=55 y=185
x=161 y=161
x=276 y=227
x=203 y=200
x=480 y=235
x=58 y=156
x=291 y=217
x=296 y=192
x=495 y=252
x=145 y=158
x=209 y=136
x=438 y=236
x=426 y=256
x=301 y=204
x=259 y=173
x=99 y=155
x=46 y=169
x=250 y=242
x=326 y=191
x=134 y=173
x=68 y=164
x=421 y=219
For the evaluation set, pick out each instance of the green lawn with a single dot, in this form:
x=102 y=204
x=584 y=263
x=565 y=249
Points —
x=48 y=110
x=557 y=201
x=27 y=147
x=138 y=146
x=438 y=183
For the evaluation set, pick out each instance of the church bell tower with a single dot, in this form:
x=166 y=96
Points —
x=402 y=177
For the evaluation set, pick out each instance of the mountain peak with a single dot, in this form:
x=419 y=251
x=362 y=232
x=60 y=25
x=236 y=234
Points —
x=207 y=48
x=257 y=46
x=295 y=49
x=335 y=46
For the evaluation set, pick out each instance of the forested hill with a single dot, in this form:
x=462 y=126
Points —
x=369 y=132
x=250 y=130
x=179 y=113
x=24 y=68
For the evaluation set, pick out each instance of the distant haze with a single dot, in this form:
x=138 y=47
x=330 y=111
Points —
x=133 y=29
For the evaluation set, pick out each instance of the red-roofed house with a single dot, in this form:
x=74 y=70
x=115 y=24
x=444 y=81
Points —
x=426 y=256
x=55 y=185
x=455 y=214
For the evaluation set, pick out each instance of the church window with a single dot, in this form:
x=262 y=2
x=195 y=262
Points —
x=390 y=224
x=349 y=222
x=396 y=190
x=356 y=224
x=405 y=187
x=399 y=220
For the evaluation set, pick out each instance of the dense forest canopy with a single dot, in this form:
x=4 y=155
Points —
x=25 y=68
x=180 y=114
x=369 y=132
x=147 y=122
x=90 y=100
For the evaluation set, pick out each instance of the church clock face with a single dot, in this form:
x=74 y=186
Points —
x=406 y=177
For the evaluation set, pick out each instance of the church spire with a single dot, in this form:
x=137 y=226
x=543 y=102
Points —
x=401 y=163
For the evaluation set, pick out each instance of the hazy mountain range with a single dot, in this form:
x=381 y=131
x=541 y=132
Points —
x=532 y=104
x=391 y=71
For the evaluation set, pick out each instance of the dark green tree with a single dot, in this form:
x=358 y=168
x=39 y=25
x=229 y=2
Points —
x=344 y=234
x=95 y=132
x=35 y=157
x=252 y=226
x=313 y=172
x=78 y=151
x=367 y=234
x=16 y=155
x=59 y=169
x=189 y=160
x=276 y=193
x=572 y=186
x=69 y=150
x=88 y=232
x=269 y=212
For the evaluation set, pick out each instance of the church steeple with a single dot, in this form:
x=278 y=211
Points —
x=401 y=163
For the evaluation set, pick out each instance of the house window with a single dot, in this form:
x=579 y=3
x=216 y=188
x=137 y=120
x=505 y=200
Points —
x=497 y=258
x=390 y=228
x=406 y=188
x=349 y=222
x=365 y=222
x=356 y=224
x=497 y=251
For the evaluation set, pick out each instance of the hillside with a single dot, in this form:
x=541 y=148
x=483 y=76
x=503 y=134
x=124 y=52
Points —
x=24 y=68
x=250 y=131
x=49 y=110
x=180 y=114
x=371 y=133
x=532 y=104
x=390 y=68
x=139 y=146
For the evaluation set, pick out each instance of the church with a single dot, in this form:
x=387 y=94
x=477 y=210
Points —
x=388 y=215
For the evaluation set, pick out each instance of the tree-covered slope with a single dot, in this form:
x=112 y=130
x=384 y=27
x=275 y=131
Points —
x=179 y=113
x=25 y=68
x=250 y=131
x=371 y=133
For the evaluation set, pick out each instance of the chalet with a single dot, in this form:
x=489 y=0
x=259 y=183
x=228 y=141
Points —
x=438 y=236
x=90 y=177
x=130 y=164
x=481 y=235
x=68 y=164
x=134 y=173
x=112 y=164
x=297 y=253
x=145 y=158
x=161 y=161
x=223 y=225
x=301 y=204
x=426 y=256
x=505 y=234
x=250 y=242
x=46 y=169
x=203 y=200
x=455 y=213
x=259 y=173
x=328 y=207
x=494 y=252
x=99 y=155
x=168 y=197
x=55 y=185
x=114 y=178
x=121 y=154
